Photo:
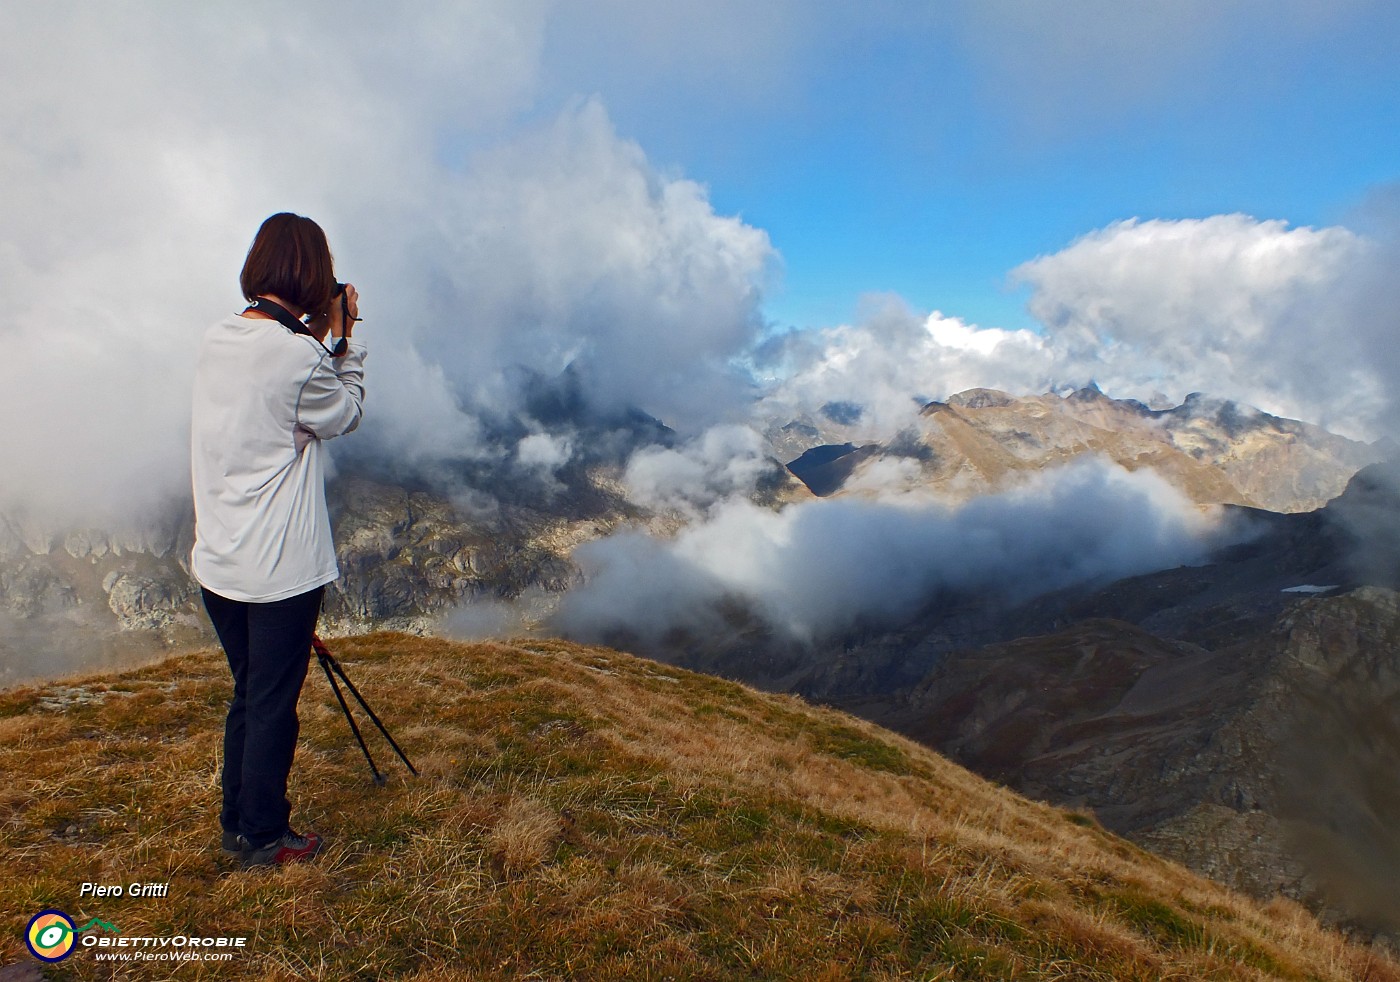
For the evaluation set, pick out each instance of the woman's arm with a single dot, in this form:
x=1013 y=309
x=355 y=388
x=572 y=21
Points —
x=332 y=399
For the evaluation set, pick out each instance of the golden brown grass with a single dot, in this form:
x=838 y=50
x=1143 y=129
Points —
x=583 y=814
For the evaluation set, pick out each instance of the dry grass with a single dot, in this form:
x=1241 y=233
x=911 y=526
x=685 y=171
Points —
x=583 y=814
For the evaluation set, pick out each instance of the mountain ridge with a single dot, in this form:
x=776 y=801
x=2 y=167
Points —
x=1216 y=451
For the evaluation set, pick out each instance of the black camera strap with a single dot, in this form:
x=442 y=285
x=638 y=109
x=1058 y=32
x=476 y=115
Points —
x=284 y=317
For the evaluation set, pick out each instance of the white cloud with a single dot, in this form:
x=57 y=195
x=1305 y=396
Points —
x=1251 y=310
x=823 y=565
x=1299 y=322
x=893 y=360
x=540 y=455
x=564 y=246
x=140 y=148
x=721 y=463
x=543 y=450
x=886 y=477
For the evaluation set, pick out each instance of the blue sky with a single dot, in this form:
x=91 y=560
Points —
x=927 y=149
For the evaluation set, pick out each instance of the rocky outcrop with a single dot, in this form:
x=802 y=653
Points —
x=148 y=603
x=407 y=555
x=30 y=587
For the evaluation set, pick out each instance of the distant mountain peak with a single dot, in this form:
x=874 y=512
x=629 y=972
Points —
x=1088 y=393
x=980 y=399
x=1217 y=451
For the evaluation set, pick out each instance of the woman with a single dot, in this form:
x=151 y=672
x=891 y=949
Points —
x=271 y=384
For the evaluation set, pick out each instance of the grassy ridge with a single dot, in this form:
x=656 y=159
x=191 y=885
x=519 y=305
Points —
x=584 y=814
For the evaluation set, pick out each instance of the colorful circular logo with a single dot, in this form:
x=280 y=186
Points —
x=50 y=936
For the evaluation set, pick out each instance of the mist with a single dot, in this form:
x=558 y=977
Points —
x=824 y=566
x=556 y=301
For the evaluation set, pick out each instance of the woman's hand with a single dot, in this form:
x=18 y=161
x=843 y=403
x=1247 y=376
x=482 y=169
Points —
x=340 y=326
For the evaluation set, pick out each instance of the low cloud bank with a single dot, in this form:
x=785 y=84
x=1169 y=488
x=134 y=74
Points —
x=821 y=567
x=722 y=462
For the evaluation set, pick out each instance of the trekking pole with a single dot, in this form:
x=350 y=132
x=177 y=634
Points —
x=329 y=665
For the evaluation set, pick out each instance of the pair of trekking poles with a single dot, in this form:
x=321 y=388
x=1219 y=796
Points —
x=332 y=669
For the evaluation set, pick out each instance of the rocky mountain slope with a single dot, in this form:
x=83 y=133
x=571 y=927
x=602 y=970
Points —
x=1217 y=452
x=411 y=546
x=582 y=813
x=1240 y=716
x=1269 y=764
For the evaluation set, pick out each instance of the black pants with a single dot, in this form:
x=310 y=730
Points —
x=269 y=648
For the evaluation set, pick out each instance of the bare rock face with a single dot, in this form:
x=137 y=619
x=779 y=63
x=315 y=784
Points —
x=406 y=555
x=21 y=535
x=30 y=587
x=148 y=603
x=1246 y=850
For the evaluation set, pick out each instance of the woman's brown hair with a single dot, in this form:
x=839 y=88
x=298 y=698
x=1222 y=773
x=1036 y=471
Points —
x=291 y=259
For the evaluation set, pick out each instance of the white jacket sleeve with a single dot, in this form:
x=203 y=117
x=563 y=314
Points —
x=332 y=399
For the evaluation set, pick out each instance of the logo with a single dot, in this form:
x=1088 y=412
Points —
x=50 y=936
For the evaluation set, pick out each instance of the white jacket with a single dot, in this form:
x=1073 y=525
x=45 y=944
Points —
x=264 y=400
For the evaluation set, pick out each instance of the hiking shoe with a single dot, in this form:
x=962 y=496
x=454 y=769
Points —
x=289 y=848
x=231 y=843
